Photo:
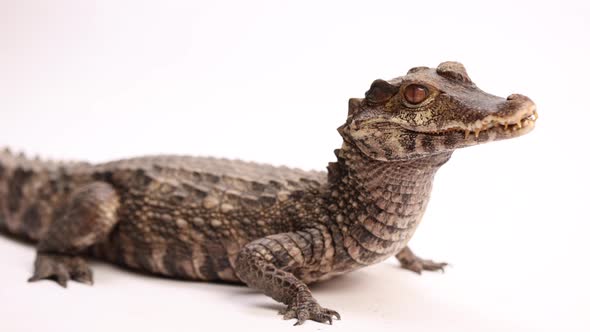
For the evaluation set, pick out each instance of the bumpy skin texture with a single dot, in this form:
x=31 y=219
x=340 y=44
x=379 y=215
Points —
x=274 y=228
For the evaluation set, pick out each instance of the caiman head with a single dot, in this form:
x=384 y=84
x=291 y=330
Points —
x=431 y=111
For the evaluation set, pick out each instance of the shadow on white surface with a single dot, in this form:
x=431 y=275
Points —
x=379 y=298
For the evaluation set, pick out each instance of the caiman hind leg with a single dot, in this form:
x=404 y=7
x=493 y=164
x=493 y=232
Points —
x=88 y=218
x=410 y=261
x=274 y=265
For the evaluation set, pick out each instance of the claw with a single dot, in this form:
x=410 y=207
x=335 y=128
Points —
x=410 y=261
x=309 y=311
x=62 y=281
x=331 y=313
x=84 y=276
x=85 y=279
x=34 y=278
x=61 y=269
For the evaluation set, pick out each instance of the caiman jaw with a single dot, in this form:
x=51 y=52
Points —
x=509 y=125
x=514 y=124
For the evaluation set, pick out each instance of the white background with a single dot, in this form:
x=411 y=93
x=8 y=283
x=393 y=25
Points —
x=269 y=81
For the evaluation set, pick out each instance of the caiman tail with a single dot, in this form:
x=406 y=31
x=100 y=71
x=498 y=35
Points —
x=31 y=194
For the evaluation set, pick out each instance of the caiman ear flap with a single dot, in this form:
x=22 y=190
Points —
x=454 y=71
x=380 y=92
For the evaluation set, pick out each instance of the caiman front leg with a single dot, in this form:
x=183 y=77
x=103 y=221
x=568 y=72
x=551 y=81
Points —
x=410 y=261
x=271 y=264
x=88 y=218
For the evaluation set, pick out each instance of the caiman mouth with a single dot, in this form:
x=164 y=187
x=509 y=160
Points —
x=508 y=125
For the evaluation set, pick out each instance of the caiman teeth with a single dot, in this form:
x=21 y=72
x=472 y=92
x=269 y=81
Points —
x=477 y=132
x=488 y=124
x=519 y=124
x=506 y=125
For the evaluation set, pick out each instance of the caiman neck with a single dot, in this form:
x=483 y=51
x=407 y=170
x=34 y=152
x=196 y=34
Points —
x=379 y=204
x=370 y=177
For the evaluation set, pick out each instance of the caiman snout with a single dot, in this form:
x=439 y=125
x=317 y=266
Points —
x=518 y=105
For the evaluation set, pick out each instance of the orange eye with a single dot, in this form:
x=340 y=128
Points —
x=415 y=94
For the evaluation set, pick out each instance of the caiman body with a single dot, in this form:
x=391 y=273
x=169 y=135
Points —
x=274 y=228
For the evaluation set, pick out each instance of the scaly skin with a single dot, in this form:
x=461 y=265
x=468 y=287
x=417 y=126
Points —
x=274 y=229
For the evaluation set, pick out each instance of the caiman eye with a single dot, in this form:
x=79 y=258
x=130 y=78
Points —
x=415 y=94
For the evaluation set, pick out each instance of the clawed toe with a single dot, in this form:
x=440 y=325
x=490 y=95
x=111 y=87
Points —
x=410 y=261
x=333 y=313
x=418 y=266
x=310 y=311
x=61 y=269
x=433 y=266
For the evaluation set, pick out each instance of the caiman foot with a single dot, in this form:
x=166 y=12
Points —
x=308 y=308
x=61 y=269
x=411 y=262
